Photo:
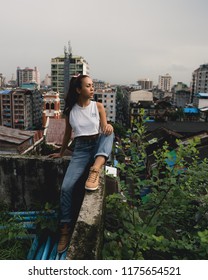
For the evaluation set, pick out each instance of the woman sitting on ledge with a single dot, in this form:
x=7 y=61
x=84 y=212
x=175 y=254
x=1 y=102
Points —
x=93 y=138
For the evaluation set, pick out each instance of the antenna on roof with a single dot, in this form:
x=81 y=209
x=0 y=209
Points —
x=69 y=48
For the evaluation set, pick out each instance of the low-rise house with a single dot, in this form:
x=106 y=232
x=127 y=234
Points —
x=16 y=141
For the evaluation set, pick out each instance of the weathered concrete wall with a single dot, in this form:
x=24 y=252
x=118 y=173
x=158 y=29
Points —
x=27 y=183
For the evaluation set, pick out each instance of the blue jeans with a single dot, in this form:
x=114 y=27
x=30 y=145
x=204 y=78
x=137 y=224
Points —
x=84 y=154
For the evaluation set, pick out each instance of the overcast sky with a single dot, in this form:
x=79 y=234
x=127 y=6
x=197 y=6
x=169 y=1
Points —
x=122 y=40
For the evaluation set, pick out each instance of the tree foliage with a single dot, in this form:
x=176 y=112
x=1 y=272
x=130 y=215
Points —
x=161 y=213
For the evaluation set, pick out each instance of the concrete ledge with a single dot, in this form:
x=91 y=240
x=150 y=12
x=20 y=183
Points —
x=86 y=241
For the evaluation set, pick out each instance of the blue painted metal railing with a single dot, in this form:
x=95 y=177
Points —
x=43 y=247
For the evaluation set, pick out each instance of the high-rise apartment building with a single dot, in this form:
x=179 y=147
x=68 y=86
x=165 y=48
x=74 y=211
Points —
x=5 y=108
x=145 y=84
x=27 y=75
x=200 y=80
x=199 y=83
x=63 y=68
x=181 y=95
x=21 y=108
x=108 y=98
x=165 y=83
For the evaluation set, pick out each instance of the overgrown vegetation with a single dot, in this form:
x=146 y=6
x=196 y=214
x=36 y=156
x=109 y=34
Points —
x=161 y=212
x=16 y=239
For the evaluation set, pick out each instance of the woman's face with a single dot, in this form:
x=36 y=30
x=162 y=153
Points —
x=87 y=89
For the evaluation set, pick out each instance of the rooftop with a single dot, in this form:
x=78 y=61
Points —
x=202 y=94
x=191 y=110
x=5 y=91
x=141 y=95
x=15 y=136
x=55 y=131
x=179 y=127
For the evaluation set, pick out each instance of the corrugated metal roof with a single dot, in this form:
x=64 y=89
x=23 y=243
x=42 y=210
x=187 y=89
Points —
x=202 y=94
x=15 y=136
x=203 y=109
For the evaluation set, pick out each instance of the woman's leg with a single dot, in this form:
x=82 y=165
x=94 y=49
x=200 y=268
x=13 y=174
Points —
x=82 y=156
x=104 y=146
x=74 y=171
x=102 y=153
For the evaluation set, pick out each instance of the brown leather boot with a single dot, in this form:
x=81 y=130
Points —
x=64 y=238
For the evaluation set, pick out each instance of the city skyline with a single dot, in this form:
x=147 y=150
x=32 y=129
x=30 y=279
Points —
x=122 y=41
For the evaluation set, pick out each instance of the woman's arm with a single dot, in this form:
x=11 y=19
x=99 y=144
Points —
x=66 y=139
x=105 y=127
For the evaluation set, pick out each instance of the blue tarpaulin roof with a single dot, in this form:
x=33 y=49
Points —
x=191 y=110
x=5 y=91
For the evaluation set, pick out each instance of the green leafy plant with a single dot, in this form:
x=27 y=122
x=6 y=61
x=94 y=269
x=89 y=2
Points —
x=14 y=239
x=170 y=220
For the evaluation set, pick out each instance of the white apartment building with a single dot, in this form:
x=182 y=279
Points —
x=108 y=98
x=28 y=75
x=165 y=83
x=64 y=67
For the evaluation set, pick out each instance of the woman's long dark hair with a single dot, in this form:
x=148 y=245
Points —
x=72 y=95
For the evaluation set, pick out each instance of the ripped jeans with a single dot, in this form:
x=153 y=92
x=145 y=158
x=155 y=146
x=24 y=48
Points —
x=85 y=152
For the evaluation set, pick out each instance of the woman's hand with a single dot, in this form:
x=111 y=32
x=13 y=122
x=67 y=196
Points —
x=55 y=155
x=108 y=129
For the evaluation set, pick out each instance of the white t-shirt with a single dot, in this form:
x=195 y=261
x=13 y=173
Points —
x=85 y=121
